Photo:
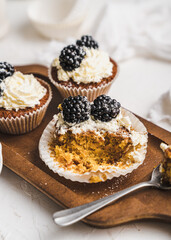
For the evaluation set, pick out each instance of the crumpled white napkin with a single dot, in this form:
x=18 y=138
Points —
x=51 y=52
x=130 y=28
x=160 y=113
x=125 y=29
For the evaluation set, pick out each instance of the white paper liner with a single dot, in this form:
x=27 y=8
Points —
x=27 y=122
x=45 y=155
x=90 y=93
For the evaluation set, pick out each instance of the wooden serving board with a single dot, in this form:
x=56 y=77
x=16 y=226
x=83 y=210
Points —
x=21 y=156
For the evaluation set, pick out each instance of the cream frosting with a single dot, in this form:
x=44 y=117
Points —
x=94 y=67
x=100 y=127
x=163 y=147
x=21 y=91
x=137 y=138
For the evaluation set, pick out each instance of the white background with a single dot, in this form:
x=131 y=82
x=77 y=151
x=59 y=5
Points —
x=25 y=213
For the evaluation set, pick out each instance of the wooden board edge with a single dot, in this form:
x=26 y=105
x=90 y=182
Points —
x=146 y=218
x=34 y=68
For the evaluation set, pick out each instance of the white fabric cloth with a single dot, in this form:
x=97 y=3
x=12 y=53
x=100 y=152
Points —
x=160 y=113
x=4 y=23
x=144 y=30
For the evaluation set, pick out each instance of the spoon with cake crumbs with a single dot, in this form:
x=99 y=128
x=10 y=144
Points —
x=69 y=216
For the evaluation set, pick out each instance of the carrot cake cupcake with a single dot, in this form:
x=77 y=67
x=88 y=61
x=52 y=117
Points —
x=23 y=100
x=166 y=165
x=93 y=142
x=83 y=69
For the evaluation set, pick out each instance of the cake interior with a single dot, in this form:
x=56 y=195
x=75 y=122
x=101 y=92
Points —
x=166 y=166
x=89 y=151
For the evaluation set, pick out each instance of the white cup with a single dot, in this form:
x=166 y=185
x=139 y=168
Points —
x=4 y=24
x=58 y=19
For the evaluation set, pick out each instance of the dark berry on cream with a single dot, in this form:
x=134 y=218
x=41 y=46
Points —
x=6 y=70
x=71 y=57
x=105 y=108
x=1 y=92
x=76 y=109
x=88 y=42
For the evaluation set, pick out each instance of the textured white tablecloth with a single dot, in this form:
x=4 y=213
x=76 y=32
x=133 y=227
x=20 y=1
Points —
x=25 y=213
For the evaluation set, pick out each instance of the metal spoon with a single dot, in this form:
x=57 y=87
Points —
x=73 y=215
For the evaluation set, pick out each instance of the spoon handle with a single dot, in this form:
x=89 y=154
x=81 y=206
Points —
x=73 y=215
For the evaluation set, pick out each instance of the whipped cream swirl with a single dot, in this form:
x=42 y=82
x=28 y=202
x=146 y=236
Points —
x=21 y=91
x=94 y=67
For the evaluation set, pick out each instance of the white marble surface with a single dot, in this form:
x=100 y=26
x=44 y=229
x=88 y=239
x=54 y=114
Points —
x=25 y=213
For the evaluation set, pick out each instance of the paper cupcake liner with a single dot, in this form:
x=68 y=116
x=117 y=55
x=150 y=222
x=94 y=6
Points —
x=102 y=174
x=90 y=93
x=26 y=122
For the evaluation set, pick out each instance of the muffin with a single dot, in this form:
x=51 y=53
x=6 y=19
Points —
x=166 y=165
x=93 y=142
x=83 y=69
x=23 y=100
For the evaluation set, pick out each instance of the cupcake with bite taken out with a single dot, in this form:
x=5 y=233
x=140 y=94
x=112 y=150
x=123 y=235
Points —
x=23 y=100
x=83 y=69
x=93 y=142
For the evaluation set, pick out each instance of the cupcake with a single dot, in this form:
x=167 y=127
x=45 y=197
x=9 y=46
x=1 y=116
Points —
x=23 y=100
x=83 y=69
x=93 y=142
x=166 y=165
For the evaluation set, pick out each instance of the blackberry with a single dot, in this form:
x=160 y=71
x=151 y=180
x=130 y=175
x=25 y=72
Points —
x=76 y=109
x=6 y=70
x=1 y=92
x=88 y=42
x=71 y=57
x=104 y=108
